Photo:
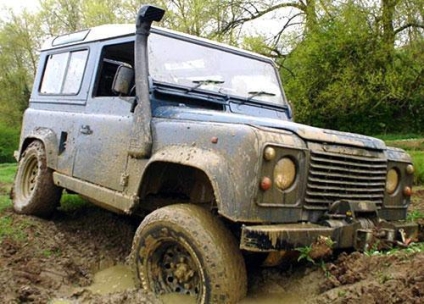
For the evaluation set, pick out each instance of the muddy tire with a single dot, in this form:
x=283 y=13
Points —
x=184 y=249
x=34 y=192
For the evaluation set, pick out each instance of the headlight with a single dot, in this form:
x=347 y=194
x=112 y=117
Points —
x=392 y=181
x=284 y=173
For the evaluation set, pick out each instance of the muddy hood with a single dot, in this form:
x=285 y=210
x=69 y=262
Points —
x=305 y=132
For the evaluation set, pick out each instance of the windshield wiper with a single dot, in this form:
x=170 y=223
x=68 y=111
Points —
x=201 y=82
x=259 y=93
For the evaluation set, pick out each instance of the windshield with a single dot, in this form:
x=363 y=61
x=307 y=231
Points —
x=195 y=66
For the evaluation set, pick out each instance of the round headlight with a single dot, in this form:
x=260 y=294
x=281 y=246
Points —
x=392 y=181
x=284 y=173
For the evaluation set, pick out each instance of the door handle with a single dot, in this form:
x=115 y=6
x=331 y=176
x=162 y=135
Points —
x=85 y=129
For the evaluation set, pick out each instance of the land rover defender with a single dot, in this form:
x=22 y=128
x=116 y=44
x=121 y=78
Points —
x=198 y=137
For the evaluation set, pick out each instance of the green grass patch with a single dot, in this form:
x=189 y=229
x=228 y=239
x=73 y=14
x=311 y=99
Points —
x=408 y=144
x=414 y=216
x=72 y=202
x=396 y=137
x=11 y=230
x=7 y=173
x=5 y=202
x=418 y=161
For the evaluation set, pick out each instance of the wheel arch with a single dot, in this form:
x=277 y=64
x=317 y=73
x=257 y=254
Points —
x=197 y=169
x=48 y=138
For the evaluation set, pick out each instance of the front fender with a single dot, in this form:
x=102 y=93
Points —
x=211 y=163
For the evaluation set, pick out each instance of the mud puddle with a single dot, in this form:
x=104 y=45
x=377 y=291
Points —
x=118 y=278
x=110 y=280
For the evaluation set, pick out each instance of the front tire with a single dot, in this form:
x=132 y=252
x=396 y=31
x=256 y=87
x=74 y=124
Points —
x=184 y=249
x=34 y=192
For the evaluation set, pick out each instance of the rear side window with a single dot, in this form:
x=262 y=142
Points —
x=64 y=72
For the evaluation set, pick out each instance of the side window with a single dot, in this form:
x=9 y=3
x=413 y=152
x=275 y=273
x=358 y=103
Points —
x=113 y=56
x=108 y=71
x=64 y=72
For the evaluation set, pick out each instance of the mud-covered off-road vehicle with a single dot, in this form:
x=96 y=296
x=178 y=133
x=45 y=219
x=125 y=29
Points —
x=199 y=136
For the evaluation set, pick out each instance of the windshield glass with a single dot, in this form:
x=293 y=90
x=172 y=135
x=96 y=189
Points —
x=195 y=66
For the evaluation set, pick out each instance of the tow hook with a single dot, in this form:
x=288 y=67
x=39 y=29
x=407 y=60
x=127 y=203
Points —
x=369 y=231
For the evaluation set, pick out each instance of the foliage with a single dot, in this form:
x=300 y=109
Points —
x=339 y=77
x=414 y=216
x=304 y=254
x=412 y=248
x=9 y=140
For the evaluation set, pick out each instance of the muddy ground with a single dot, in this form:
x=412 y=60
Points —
x=55 y=261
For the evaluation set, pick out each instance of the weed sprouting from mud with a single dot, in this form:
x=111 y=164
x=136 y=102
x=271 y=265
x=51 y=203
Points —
x=305 y=254
x=412 y=248
x=415 y=215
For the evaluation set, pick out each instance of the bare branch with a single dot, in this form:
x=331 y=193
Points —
x=408 y=25
x=236 y=22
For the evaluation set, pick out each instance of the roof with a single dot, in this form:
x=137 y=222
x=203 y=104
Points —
x=102 y=32
x=110 y=31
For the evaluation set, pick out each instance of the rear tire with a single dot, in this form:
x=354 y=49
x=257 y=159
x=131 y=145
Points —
x=34 y=192
x=185 y=249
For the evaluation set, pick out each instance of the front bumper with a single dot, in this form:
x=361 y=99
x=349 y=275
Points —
x=357 y=235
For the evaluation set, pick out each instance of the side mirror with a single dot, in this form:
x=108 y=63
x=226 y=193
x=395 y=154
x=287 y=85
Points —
x=123 y=80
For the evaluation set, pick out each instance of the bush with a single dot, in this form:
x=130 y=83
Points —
x=9 y=141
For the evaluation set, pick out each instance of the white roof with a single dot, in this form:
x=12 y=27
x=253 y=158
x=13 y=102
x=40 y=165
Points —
x=109 y=31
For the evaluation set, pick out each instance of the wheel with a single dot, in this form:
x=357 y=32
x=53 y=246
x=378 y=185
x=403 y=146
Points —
x=184 y=249
x=34 y=192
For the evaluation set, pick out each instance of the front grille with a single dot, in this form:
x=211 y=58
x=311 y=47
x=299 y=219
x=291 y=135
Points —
x=335 y=177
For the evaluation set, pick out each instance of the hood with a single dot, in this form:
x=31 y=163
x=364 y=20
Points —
x=303 y=131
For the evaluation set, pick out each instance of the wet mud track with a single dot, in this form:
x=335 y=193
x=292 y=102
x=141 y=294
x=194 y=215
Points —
x=57 y=259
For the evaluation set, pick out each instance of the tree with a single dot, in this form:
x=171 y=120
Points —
x=349 y=74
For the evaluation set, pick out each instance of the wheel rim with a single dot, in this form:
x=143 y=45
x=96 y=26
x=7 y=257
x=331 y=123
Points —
x=173 y=270
x=29 y=179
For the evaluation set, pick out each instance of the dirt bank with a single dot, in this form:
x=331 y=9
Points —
x=57 y=259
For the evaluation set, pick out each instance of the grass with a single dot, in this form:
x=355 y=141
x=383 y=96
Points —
x=11 y=230
x=414 y=216
x=7 y=173
x=395 y=137
x=71 y=202
x=418 y=161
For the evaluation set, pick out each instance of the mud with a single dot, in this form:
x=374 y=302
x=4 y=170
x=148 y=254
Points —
x=79 y=256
